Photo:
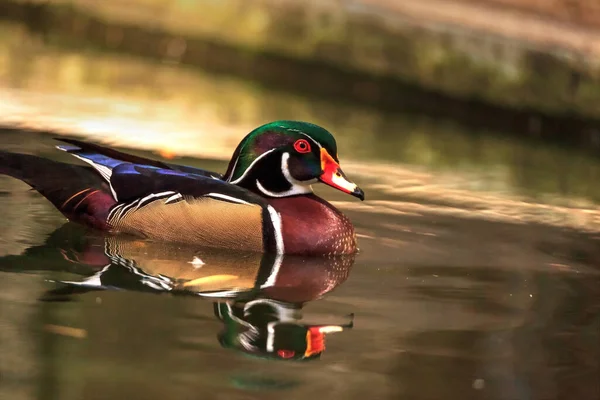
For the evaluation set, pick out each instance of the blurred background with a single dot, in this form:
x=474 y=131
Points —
x=498 y=83
x=529 y=68
x=473 y=127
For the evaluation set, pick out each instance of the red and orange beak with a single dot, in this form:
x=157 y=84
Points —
x=334 y=176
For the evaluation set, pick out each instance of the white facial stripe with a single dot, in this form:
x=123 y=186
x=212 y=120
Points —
x=249 y=167
x=317 y=143
x=265 y=191
x=297 y=187
x=285 y=169
x=233 y=169
x=293 y=191
x=264 y=154
x=300 y=132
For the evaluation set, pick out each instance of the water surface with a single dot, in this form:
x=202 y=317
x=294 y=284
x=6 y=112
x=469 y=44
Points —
x=445 y=305
x=478 y=275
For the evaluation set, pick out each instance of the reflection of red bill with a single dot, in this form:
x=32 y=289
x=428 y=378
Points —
x=315 y=338
x=315 y=341
x=334 y=176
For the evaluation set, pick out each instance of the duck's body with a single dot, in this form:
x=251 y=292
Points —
x=263 y=202
x=310 y=225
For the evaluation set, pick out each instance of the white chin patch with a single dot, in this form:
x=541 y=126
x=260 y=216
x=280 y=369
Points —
x=291 y=192
x=297 y=187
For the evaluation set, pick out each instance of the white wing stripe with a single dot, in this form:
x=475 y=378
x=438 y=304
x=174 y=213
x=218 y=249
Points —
x=226 y=197
x=125 y=209
x=102 y=170
x=153 y=196
x=176 y=196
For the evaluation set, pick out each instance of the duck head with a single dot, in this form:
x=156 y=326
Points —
x=284 y=158
x=273 y=330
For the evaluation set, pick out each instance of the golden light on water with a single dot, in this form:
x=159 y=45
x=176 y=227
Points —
x=111 y=120
x=167 y=129
x=177 y=112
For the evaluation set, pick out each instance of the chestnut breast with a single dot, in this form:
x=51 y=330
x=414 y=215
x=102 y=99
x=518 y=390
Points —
x=311 y=226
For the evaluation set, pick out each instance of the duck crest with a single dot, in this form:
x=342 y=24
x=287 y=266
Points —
x=263 y=203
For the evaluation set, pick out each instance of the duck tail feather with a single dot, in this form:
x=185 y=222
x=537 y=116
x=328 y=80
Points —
x=77 y=191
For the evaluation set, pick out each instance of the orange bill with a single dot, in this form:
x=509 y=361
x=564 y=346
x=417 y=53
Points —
x=333 y=176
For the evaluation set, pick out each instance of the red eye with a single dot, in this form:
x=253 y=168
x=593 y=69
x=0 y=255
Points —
x=286 y=353
x=302 y=146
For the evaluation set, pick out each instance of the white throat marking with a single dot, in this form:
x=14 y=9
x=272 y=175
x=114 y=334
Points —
x=298 y=187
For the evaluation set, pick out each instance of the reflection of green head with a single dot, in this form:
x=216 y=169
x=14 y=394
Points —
x=290 y=343
x=261 y=333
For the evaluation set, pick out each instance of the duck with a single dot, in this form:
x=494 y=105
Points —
x=264 y=201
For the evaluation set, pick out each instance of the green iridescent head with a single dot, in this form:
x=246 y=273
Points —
x=283 y=158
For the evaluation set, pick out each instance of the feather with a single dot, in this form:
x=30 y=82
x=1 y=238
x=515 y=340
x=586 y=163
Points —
x=78 y=192
x=77 y=146
x=208 y=221
x=150 y=201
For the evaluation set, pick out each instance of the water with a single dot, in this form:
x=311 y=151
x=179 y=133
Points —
x=478 y=274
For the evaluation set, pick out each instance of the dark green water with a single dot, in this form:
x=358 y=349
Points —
x=478 y=276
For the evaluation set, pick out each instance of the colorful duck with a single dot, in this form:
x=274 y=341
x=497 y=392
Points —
x=264 y=202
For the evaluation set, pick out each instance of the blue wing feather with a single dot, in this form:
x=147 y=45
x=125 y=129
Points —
x=130 y=181
x=94 y=152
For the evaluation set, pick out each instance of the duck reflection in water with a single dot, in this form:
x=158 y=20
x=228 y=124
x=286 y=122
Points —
x=258 y=297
